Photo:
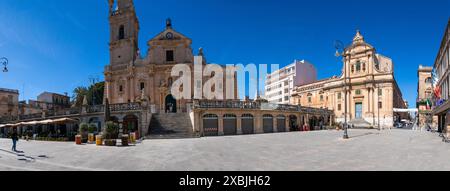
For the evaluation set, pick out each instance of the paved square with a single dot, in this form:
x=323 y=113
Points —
x=304 y=151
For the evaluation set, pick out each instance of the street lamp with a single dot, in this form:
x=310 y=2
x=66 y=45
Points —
x=4 y=62
x=340 y=47
x=378 y=95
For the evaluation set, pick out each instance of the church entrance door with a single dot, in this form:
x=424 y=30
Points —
x=171 y=104
x=358 y=110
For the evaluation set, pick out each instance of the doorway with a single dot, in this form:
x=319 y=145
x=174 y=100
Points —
x=358 y=110
x=171 y=104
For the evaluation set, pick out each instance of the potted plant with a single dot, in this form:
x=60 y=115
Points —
x=91 y=129
x=110 y=133
x=84 y=128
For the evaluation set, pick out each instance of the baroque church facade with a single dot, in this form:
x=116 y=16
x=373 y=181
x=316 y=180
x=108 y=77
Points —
x=368 y=78
x=130 y=78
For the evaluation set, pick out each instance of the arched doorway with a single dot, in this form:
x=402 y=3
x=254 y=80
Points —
x=313 y=123
x=211 y=125
x=130 y=124
x=247 y=124
x=229 y=124
x=96 y=121
x=170 y=104
x=281 y=123
x=268 y=123
x=293 y=124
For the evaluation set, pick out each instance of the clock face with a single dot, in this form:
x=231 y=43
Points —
x=169 y=35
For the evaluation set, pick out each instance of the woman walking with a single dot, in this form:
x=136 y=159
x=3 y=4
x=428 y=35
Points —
x=14 y=138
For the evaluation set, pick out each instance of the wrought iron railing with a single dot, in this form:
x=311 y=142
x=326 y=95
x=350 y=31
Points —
x=6 y=119
x=31 y=116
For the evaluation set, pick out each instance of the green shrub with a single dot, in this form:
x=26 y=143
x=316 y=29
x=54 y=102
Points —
x=92 y=128
x=84 y=127
x=110 y=131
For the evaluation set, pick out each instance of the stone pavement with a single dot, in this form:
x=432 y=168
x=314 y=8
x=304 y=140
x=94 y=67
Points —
x=295 y=151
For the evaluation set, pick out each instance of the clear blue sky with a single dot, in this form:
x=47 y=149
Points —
x=55 y=45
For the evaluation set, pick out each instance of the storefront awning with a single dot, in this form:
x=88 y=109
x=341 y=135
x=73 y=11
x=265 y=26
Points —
x=44 y=122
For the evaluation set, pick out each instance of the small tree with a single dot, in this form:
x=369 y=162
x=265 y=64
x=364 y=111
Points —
x=83 y=128
x=92 y=128
x=110 y=131
x=84 y=132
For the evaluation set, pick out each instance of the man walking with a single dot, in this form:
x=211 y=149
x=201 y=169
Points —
x=14 y=138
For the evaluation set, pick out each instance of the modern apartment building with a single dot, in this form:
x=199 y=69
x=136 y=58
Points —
x=279 y=84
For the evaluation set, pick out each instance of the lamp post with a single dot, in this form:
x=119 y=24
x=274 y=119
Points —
x=4 y=62
x=378 y=96
x=340 y=47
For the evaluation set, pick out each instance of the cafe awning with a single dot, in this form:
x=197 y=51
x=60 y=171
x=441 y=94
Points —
x=43 y=122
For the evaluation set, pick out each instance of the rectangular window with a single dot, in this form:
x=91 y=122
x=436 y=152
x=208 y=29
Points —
x=380 y=105
x=339 y=107
x=120 y=88
x=339 y=95
x=286 y=91
x=10 y=99
x=309 y=100
x=169 y=56
x=321 y=97
x=358 y=92
x=286 y=98
x=142 y=86
x=380 y=92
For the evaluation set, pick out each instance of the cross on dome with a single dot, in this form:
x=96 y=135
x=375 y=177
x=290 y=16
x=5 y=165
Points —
x=358 y=37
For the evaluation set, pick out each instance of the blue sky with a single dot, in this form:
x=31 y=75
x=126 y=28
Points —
x=56 y=45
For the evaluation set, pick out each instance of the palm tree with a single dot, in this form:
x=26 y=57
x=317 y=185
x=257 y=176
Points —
x=78 y=95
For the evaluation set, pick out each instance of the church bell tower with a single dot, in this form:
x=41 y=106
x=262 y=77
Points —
x=124 y=29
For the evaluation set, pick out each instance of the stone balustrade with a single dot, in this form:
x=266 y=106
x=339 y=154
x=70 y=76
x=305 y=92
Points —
x=257 y=105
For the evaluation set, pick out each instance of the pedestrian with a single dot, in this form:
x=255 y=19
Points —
x=14 y=138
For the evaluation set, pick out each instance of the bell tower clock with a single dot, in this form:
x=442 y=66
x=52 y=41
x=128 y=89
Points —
x=124 y=29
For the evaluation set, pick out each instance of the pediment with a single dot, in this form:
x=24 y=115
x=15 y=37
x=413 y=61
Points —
x=169 y=35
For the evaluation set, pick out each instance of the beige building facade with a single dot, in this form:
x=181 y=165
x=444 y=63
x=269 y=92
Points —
x=424 y=96
x=368 y=78
x=9 y=103
x=441 y=106
x=130 y=78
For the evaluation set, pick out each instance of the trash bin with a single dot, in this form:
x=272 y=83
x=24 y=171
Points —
x=78 y=139
x=133 y=138
x=125 y=140
x=91 y=137
x=98 y=140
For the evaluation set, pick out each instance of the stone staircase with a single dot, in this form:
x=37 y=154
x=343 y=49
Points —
x=360 y=124
x=171 y=126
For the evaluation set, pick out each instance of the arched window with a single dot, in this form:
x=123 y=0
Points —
x=428 y=80
x=121 y=32
x=358 y=66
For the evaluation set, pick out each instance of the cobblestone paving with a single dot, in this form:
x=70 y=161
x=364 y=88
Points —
x=295 y=151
